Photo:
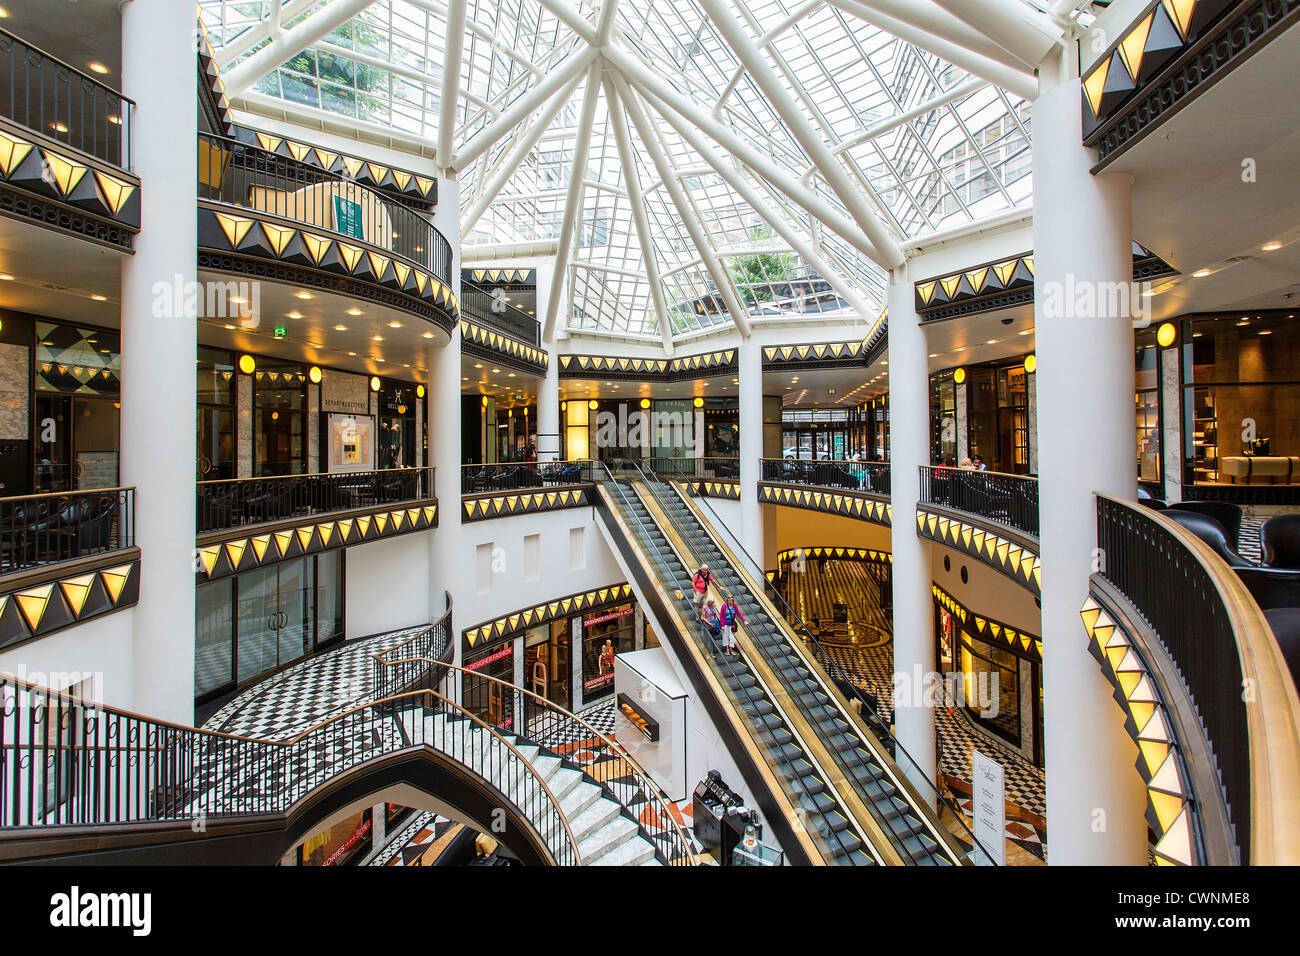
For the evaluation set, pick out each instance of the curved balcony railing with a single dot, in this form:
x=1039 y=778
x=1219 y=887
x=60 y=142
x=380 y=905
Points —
x=560 y=734
x=519 y=475
x=46 y=95
x=870 y=476
x=43 y=529
x=245 y=175
x=491 y=308
x=1010 y=500
x=1226 y=661
x=419 y=661
x=233 y=502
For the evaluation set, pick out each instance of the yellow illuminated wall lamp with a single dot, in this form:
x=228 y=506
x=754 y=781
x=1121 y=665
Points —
x=374 y=383
x=699 y=403
x=592 y=405
x=1166 y=334
x=314 y=374
x=247 y=364
x=419 y=391
x=1031 y=363
x=959 y=376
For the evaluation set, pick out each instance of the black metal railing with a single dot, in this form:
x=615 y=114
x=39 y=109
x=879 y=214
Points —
x=712 y=468
x=559 y=733
x=65 y=761
x=515 y=476
x=46 y=95
x=419 y=661
x=490 y=307
x=872 y=476
x=254 y=178
x=42 y=529
x=232 y=502
x=1010 y=500
x=1176 y=595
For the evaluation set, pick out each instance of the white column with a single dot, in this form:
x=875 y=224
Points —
x=446 y=563
x=158 y=352
x=548 y=397
x=909 y=438
x=1082 y=235
x=750 y=368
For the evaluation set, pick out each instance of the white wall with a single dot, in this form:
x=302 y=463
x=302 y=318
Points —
x=101 y=646
x=387 y=584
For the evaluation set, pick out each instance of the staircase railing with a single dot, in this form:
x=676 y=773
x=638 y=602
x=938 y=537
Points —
x=723 y=663
x=65 y=761
x=564 y=735
x=913 y=774
x=419 y=661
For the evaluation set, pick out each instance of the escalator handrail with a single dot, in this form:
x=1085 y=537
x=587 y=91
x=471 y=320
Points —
x=723 y=660
x=838 y=674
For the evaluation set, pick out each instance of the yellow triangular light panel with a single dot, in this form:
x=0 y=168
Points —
x=304 y=537
x=317 y=246
x=1130 y=48
x=1176 y=846
x=277 y=237
x=282 y=541
x=269 y=143
x=1180 y=11
x=12 y=152
x=76 y=590
x=1094 y=83
x=115 y=193
x=950 y=284
x=1004 y=270
x=326 y=532
x=66 y=173
x=33 y=602
x=927 y=291
x=977 y=278
x=350 y=255
x=235 y=552
x=260 y=544
x=235 y=228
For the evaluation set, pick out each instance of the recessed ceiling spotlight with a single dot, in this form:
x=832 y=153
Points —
x=354 y=311
x=427 y=335
x=302 y=295
x=1270 y=247
x=377 y=338
x=340 y=328
x=1202 y=273
x=394 y=325
x=295 y=315
x=99 y=298
x=97 y=67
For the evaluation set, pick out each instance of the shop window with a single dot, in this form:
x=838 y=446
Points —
x=280 y=414
x=991 y=679
x=609 y=632
x=348 y=840
x=216 y=415
x=396 y=425
x=490 y=700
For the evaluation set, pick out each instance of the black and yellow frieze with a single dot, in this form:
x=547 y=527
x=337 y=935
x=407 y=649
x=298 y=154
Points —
x=489 y=632
x=39 y=175
x=777 y=358
x=1148 y=720
x=213 y=96
x=713 y=488
x=244 y=552
x=501 y=277
x=507 y=504
x=703 y=365
x=477 y=338
x=992 y=284
x=1012 y=557
x=851 y=504
x=992 y=632
x=247 y=233
x=44 y=600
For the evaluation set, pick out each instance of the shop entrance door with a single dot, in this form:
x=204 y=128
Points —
x=276 y=610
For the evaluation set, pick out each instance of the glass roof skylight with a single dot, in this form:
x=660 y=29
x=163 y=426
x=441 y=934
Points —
x=782 y=151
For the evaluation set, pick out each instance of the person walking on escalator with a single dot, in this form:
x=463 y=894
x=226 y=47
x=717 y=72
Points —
x=730 y=616
x=712 y=620
x=701 y=582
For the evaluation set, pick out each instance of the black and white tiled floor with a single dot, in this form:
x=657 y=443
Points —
x=307 y=693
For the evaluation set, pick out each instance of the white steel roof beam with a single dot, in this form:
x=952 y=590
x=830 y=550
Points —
x=523 y=106
x=452 y=50
x=316 y=27
x=251 y=37
x=573 y=204
x=1011 y=24
x=786 y=107
x=1018 y=81
x=797 y=240
x=570 y=18
x=962 y=89
x=663 y=164
x=653 y=87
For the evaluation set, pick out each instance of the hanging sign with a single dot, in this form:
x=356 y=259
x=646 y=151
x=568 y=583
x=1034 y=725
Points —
x=347 y=217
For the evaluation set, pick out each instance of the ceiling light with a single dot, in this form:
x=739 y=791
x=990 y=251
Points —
x=377 y=338
x=97 y=67
x=6 y=277
x=427 y=335
x=478 y=364
x=295 y=315
x=394 y=325
x=340 y=328
x=99 y=298
x=302 y=295
x=1026 y=332
x=1270 y=247
x=1202 y=273
x=354 y=311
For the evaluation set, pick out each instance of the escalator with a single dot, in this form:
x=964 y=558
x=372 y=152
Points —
x=836 y=767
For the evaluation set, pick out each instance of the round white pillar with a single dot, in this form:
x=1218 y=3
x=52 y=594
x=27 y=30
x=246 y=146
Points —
x=446 y=563
x=909 y=445
x=159 y=349
x=750 y=367
x=548 y=396
x=1084 y=392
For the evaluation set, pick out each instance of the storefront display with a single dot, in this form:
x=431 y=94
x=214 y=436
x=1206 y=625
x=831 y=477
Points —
x=604 y=634
x=348 y=840
x=489 y=700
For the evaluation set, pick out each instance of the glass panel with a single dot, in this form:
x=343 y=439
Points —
x=329 y=596
x=258 y=618
x=604 y=634
x=216 y=377
x=297 y=609
x=280 y=445
x=214 y=635
x=53 y=457
x=216 y=443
